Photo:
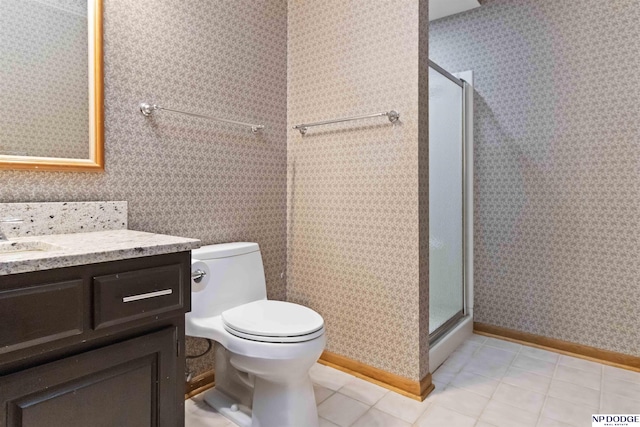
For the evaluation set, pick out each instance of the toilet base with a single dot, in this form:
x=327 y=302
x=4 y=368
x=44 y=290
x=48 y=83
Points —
x=274 y=405
x=277 y=404
x=228 y=407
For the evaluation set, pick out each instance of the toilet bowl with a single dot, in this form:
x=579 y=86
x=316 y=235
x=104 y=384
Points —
x=266 y=348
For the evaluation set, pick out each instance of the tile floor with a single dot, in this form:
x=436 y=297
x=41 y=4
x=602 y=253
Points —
x=485 y=383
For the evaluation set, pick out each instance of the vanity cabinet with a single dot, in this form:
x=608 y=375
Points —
x=95 y=345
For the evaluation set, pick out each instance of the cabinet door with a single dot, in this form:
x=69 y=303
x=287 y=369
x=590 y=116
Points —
x=128 y=384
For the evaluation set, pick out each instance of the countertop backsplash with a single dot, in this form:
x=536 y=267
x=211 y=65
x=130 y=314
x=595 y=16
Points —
x=62 y=217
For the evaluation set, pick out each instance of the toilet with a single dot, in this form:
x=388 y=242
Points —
x=264 y=349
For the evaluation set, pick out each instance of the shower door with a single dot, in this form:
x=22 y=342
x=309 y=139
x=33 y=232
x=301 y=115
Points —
x=446 y=186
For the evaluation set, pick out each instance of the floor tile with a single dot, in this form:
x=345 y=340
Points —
x=199 y=414
x=462 y=401
x=623 y=374
x=484 y=383
x=364 y=391
x=577 y=376
x=567 y=412
x=444 y=374
x=497 y=355
x=535 y=366
x=519 y=397
x=621 y=387
x=616 y=404
x=582 y=364
x=502 y=344
x=486 y=368
x=538 y=353
x=527 y=380
x=440 y=416
x=402 y=407
x=575 y=393
x=550 y=422
x=341 y=410
x=189 y=405
x=503 y=415
x=201 y=409
x=457 y=361
x=477 y=338
x=483 y=386
x=468 y=347
x=194 y=421
x=376 y=418
x=321 y=393
x=326 y=423
x=439 y=388
x=328 y=377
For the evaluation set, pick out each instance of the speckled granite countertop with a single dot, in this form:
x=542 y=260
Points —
x=66 y=250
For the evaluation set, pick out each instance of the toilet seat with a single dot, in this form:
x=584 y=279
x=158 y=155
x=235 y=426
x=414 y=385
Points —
x=273 y=322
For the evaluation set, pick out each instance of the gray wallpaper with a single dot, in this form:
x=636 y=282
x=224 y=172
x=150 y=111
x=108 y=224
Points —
x=557 y=167
x=186 y=176
x=353 y=210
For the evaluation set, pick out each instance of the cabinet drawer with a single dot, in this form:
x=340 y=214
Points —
x=131 y=295
x=39 y=314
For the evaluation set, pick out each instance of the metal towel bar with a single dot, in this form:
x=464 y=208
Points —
x=148 y=109
x=392 y=115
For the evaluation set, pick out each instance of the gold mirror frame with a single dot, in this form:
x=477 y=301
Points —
x=95 y=163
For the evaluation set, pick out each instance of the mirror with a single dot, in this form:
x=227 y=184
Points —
x=51 y=85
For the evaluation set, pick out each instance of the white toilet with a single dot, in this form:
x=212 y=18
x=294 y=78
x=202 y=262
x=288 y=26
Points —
x=266 y=348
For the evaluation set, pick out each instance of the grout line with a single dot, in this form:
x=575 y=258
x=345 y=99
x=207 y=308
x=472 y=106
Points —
x=624 y=381
x=499 y=381
x=546 y=394
x=427 y=409
x=356 y=399
x=576 y=384
x=363 y=414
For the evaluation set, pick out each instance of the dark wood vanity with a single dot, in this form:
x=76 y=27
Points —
x=99 y=345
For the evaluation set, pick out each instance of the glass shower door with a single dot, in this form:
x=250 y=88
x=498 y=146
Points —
x=446 y=268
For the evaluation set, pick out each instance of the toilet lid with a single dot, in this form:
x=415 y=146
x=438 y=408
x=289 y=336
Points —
x=266 y=318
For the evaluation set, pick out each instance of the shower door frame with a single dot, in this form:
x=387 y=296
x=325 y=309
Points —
x=443 y=329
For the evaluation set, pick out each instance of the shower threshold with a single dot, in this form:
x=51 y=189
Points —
x=445 y=328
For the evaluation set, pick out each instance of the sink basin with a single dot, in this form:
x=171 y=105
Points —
x=21 y=248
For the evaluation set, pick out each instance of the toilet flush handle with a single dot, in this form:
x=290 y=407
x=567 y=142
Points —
x=198 y=275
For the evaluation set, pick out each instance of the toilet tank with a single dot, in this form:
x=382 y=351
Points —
x=235 y=276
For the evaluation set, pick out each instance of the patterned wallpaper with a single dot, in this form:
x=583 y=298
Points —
x=186 y=176
x=353 y=226
x=423 y=188
x=79 y=7
x=557 y=184
x=43 y=79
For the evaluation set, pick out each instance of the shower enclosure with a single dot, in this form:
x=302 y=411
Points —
x=449 y=246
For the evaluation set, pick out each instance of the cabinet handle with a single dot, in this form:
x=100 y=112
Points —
x=147 y=295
